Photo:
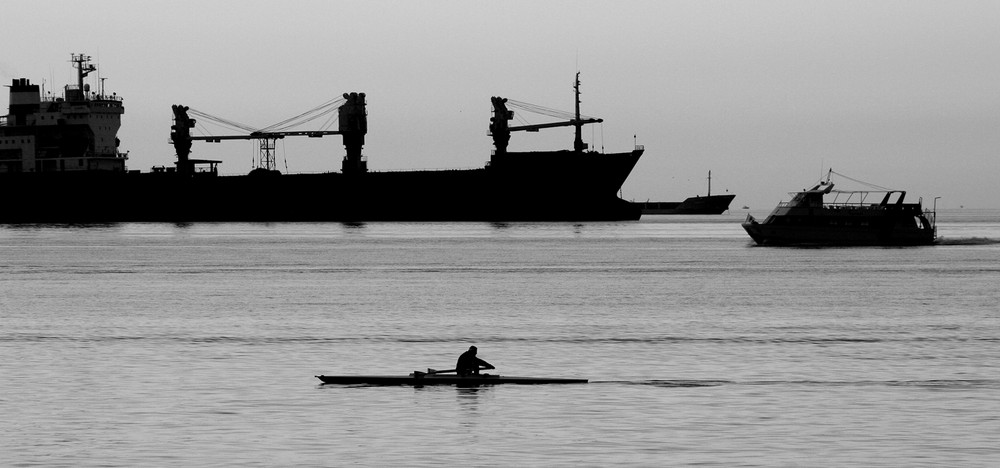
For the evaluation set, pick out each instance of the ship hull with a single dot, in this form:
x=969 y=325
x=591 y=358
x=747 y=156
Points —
x=537 y=186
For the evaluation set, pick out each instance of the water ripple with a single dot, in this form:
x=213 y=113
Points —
x=31 y=337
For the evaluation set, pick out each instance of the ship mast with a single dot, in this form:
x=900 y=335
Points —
x=578 y=144
x=83 y=68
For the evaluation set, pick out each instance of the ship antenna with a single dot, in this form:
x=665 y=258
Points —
x=710 y=183
x=83 y=68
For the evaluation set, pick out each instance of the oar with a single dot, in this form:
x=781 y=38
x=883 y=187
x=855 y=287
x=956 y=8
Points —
x=432 y=372
x=435 y=371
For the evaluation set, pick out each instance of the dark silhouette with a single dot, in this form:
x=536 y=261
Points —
x=810 y=220
x=711 y=204
x=469 y=364
x=55 y=163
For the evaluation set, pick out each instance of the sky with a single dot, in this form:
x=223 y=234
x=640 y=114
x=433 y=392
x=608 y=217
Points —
x=767 y=95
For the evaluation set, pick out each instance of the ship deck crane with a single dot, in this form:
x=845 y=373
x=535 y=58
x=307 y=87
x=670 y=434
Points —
x=267 y=142
x=500 y=130
x=350 y=111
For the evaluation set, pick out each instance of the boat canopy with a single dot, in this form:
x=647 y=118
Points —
x=814 y=195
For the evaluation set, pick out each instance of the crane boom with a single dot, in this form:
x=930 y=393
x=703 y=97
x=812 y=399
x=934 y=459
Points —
x=266 y=135
x=535 y=128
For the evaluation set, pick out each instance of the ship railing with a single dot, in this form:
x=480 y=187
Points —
x=87 y=97
x=434 y=169
x=105 y=97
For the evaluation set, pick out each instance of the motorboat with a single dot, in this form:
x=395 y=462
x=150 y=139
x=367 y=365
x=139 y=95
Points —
x=848 y=219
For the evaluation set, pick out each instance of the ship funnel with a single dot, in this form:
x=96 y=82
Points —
x=24 y=100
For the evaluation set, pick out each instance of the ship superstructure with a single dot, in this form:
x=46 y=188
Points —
x=70 y=133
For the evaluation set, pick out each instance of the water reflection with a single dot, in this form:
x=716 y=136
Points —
x=468 y=399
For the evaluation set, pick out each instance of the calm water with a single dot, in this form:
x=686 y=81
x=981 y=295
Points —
x=196 y=345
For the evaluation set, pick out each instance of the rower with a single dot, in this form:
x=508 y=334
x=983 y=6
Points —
x=469 y=364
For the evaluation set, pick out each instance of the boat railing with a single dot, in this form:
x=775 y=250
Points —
x=915 y=207
x=854 y=206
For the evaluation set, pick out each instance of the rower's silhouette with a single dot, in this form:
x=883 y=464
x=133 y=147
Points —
x=469 y=364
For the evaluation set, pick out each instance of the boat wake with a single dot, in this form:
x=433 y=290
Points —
x=670 y=383
x=935 y=384
x=968 y=241
x=932 y=384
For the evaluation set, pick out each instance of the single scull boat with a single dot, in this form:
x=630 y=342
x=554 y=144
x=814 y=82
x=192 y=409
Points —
x=432 y=377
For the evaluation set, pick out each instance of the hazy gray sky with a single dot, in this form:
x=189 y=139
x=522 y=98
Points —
x=766 y=94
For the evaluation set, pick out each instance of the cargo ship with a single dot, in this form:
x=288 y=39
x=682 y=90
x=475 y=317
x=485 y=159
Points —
x=696 y=205
x=61 y=162
x=847 y=220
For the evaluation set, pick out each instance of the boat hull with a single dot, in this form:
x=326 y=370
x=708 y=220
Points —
x=887 y=233
x=711 y=204
x=439 y=379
